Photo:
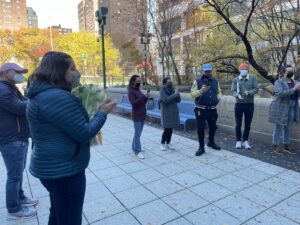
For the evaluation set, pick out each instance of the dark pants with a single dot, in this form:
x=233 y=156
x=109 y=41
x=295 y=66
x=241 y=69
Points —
x=167 y=135
x=66 y=199
x=14 y=155
x=241 y=109
x=211 y=116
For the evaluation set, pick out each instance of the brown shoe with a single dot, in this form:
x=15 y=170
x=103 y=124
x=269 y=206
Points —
x=278 y=149
x=287 y=149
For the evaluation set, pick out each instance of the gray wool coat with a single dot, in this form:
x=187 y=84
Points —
x=279 y=108
x=169 y=108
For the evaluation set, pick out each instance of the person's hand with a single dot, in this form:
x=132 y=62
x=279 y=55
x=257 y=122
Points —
x=148 y=94
x=246 y=92
x=205 y=88
x=239 y=96
x=297 y=87
x=108 y=106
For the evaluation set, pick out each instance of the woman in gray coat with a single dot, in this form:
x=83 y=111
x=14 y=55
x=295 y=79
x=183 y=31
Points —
x=284 y=110
x=169 y=97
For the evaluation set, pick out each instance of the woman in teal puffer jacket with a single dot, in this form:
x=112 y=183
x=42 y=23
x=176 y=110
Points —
x=61 y=132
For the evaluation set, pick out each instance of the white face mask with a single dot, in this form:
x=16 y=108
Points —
x=18 y=78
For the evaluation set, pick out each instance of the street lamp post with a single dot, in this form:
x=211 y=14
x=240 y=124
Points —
x=145 y=40
x=101 y=18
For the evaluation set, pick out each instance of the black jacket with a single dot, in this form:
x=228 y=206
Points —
x=13 y=125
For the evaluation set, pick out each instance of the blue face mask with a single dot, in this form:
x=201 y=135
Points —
x=244 y=73
x=19 y=78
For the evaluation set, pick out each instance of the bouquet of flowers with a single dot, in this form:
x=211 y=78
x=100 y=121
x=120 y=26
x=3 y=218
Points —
x=92 y=97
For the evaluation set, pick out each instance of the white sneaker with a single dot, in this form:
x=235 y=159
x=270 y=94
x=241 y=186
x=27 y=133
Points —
x=169 y=146
x=238 y=145
x=246 y=145
x=27 y=202
x=140 y=155
x=25 y=212
x=163 y=147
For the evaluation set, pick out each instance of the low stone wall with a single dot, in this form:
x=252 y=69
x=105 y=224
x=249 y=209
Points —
x=261 y=128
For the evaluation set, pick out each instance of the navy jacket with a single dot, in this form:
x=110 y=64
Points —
x=61 y=132
x=13 y=125
x=209 y=98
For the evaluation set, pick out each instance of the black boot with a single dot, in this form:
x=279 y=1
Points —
x=213 y=145
x=200 y=151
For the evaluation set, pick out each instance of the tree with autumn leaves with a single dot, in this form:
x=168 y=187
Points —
x=27 y=46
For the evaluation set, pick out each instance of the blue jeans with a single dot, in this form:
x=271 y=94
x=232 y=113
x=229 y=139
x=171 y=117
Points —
x=286 y=129
x=14 y=155
x=136 y=143
x=66 y=199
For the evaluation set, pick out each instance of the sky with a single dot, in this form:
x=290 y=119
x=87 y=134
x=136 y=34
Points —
x=55 y=12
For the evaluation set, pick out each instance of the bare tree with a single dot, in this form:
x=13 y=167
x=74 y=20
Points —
x=165 y=20
x=280 y=22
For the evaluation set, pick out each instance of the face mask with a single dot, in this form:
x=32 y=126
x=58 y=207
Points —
x=18 y=78
x=137 y=85
x=73 y=79
x=169 y=85
x=290 y=74
x=244 y=73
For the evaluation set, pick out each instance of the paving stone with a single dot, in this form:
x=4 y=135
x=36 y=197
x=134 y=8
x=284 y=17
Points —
x=185 y=201
x=102 y=208
x=163 y=187
x=283 y=187
x=133 y=167
x=170 y=169
x=210 y=191
x=271 y=218
x=291 y=176
x=228 y=166
x=239 y=207
x=252 y=175
x=147 y=176
x=119 y=184
x=135 y=197
x=289 y=208
x=262 y=195
x=268 y=168
x=109 y=173
x=154 y=213
x=211 y=215
x=209 y=172
x=188 y=179
x=180 y=221
x=123 y=218
x=232 y=182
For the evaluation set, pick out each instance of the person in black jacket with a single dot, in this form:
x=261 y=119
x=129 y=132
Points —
x=14 y=134
x=206 y=92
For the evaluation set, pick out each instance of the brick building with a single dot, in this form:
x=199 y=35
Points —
x=61 y=30
x=86 y=16
x=13 y=14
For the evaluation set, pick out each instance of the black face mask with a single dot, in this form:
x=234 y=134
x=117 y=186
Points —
x=137 y=85
x=290 y=74
x=169 y=85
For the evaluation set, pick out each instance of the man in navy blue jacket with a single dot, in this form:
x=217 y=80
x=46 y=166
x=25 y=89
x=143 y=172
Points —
x=14 y=134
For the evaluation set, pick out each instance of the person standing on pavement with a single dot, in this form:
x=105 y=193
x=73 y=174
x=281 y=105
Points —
x=14 y=134
x=62 y=132
x=284 y=110
x=169 y=97
x=138 y=102
x=243 y=88
x=206 y=92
